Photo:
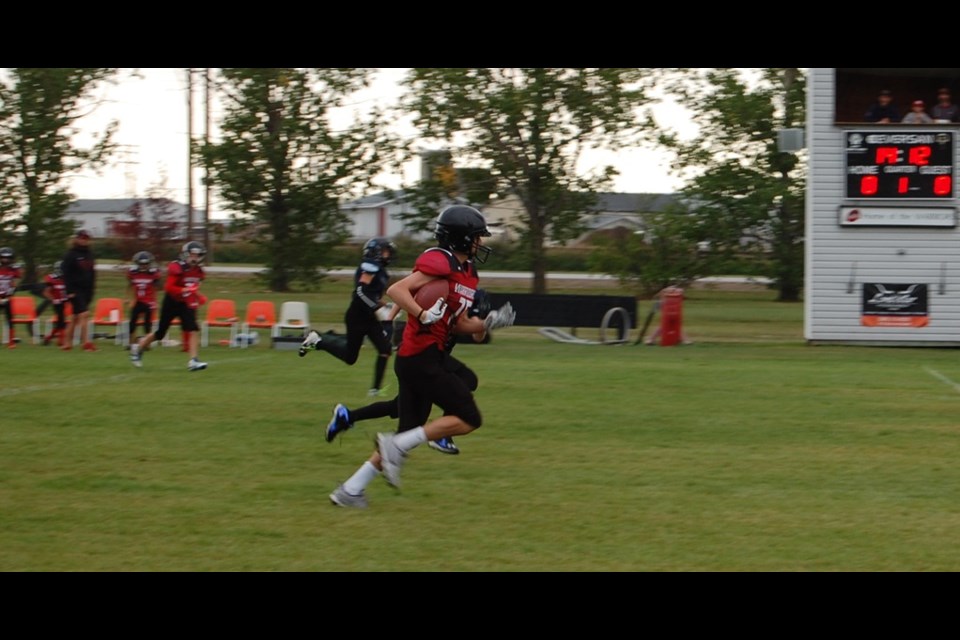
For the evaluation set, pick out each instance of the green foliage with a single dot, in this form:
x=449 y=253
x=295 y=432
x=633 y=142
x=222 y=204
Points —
x=529 y=127
x=39 y=110
x=282 y=166
x=665 y=254
x=241 y=252
x=748 y=196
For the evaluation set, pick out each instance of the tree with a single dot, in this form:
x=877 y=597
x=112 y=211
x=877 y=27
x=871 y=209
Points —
x=748 y=196
x=39 y=109
x=152 y=226
x=529 y=127
x=664 y=254
x=282 y=167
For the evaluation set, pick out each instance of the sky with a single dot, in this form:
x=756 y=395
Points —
x=153 y=126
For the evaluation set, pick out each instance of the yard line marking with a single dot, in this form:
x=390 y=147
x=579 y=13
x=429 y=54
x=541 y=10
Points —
x=944 y=379
x=86 y=382
x=83 y=382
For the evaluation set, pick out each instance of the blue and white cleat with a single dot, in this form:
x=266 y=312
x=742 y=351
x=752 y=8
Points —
x=444 y=445
x=339 y=423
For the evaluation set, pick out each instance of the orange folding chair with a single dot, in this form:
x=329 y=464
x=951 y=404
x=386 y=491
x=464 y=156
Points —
x=23 y=311
x=221 y=312
x=261 y=314
x=108 y=312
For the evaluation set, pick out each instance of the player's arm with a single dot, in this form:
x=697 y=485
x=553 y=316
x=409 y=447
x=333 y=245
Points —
x=131 y=294
x=472 y=326
x=175 y=289
x=402 y=292
x=394 y=312
x=363 y=292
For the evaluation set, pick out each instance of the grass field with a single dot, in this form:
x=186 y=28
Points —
x=746 y=451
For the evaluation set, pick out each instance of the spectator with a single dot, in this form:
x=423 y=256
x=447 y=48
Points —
x=945 y=111
x=883 y=111
x=80 y=276
x=918 y=114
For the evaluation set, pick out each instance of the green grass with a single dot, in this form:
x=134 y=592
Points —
x=746 y=451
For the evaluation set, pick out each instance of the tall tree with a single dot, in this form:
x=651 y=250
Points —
x=748 y=196
x=529 y=127
x=39 y=109
x=281 y=166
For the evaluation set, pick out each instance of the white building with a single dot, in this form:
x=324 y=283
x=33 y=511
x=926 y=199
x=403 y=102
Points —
x=379 y=215
x=882 y=259
x=102 y=218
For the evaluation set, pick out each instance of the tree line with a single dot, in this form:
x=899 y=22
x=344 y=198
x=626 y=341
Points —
x=280 y=164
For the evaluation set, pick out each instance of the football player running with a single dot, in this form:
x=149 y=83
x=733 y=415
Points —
x=421 y=365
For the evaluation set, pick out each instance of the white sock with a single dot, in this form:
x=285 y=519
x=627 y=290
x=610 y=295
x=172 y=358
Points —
x=360 y=479
x=407 y=440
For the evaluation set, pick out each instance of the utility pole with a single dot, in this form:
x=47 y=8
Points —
x=125 y=151
x=206 y=173
x=189 y=154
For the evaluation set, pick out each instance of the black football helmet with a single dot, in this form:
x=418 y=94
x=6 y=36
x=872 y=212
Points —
x=373 y=251
x=6 y=255
x=143 y=259
x=458 y=228
x=193 y=248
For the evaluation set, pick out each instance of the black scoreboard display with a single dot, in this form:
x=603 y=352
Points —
x=899 y=165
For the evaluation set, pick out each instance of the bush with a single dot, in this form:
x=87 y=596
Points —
x=238 y=252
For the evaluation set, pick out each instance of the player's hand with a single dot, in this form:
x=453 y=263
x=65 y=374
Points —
x=498 y=318
x=202 y=299
x=481 y=305
x=434 y=313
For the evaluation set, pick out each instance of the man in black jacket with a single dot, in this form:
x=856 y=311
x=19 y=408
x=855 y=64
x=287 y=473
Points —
x=883 y=111
x=80 y=276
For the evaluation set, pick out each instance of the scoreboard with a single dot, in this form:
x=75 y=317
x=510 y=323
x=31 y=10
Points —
x=899 y=164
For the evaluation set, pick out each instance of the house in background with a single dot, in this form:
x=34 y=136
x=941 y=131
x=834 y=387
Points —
x=379 y=215
x=613 y=211
x=374 y=215
x=112 y=217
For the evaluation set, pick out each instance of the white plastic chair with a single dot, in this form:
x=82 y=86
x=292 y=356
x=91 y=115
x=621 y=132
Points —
x=293 y=315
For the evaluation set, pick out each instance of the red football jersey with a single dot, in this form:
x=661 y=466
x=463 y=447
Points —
x=463 y=282
x=180 y=278
x=57 y=288
x=144 y=284
x=8 y=279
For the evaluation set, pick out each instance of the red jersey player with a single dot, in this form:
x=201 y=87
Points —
x=9 y=274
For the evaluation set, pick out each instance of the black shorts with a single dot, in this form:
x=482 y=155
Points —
x=171 y=309
x=80 y=302
x=430 y=378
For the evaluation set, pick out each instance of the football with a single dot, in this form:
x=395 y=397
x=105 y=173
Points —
x=427 y=295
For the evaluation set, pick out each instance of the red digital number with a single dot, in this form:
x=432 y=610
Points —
x=920 y=155
x=868 y=185
x=903 y=184
x=887 y=155
x=942 y=185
